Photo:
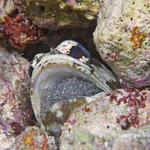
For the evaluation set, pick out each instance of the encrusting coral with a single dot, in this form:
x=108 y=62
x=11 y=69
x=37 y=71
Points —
x=15 y=107
x=122 y=38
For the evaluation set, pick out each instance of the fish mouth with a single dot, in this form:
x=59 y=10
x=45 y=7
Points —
x=61 y=83
x=58 y=90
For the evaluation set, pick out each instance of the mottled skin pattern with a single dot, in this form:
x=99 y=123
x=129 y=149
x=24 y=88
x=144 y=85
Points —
x=122 y=38
x=97 y=122
x=15 y=108
x=68 y=59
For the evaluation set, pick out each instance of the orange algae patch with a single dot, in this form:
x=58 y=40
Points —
x=45 y=144
x=28 y=140
x=31 y=142
x=137 y=38
x=86 y=109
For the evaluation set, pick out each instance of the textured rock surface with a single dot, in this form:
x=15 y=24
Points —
x=107 y=120
x=82 y=139
x=20 y=31
x=69 y=19
x=15 y=108
x=122 y=38
x=34 y=138
x=78 y=139
x=59 y=13
x=16 y=27
x=135 y=143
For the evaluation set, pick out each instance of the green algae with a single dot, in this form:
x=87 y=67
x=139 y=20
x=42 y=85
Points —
x=58 y=13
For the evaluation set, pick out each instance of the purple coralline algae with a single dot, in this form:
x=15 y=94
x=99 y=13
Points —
x=122 y=38
x=15 y=109
x=105 y=122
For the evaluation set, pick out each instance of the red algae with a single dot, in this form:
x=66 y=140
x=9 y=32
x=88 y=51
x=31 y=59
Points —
x=134 y=99
x=20 y=31
x=17 y=128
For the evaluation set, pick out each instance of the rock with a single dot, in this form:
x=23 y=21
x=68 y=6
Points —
x=124 y=113
x=6 y=7
x=78 y=139
x=136 y=143
x=23 y=23
x=59 y=13
x=33 y=138
x=122 y=38
x=15 y=107
x=16 y=27
x=81 y=139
